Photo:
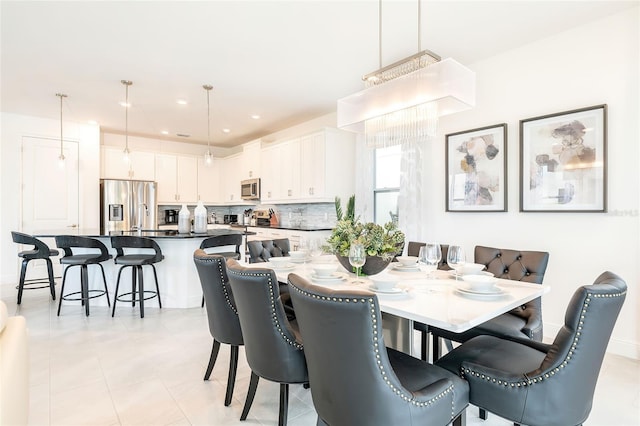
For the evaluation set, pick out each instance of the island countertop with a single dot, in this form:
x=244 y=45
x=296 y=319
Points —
x=149 y=233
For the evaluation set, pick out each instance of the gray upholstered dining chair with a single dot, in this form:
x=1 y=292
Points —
x=523 y=322
x=272 y=343
x=533 y=383
x=224 y=324
x=262 y=250
x=354 y=378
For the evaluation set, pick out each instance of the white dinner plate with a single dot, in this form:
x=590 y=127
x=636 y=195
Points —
x=409 y=268
x=472 y=294
x=333 y=278
x=285 y=267
x=454 y=275
x=491 y=290
x=301 y=260
x=394 y=290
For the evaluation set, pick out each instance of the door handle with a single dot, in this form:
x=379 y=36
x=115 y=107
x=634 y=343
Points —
x=72 y=226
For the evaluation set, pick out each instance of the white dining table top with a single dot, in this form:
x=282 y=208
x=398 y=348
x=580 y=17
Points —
x=436 y=301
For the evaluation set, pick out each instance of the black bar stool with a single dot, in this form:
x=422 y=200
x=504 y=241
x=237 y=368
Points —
x=136 y=261
x=221 y=241
x=40 y=251
x=70 y=242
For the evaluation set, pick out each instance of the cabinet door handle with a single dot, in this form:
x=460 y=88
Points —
x=289 y=192
x=250 y=173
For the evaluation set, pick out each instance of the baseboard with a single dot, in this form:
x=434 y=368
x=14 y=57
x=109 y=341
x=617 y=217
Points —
x=620 y=347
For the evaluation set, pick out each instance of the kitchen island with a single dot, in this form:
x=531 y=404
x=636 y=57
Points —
x=177 y=276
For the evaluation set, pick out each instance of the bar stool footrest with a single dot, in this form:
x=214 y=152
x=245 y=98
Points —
x=76 y=299
x=30 y=284
x=137 y=299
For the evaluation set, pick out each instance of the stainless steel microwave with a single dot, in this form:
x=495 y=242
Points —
x=250 y=189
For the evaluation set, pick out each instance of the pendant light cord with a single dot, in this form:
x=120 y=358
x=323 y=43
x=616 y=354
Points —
x=61 y=96
x=208 y=88
x=419 y=26
x=379 y=34
x=126 y=83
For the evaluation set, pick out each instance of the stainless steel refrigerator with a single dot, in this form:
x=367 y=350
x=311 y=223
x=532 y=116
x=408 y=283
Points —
x=127 y=205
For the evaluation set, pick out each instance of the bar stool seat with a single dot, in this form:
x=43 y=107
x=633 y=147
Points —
x=70 y=242
x=40 y=251
x=136 y=261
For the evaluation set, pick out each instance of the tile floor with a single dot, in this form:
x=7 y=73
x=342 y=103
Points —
x=130 y=371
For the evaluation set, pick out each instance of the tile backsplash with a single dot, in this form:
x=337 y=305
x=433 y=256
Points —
x=308 y=214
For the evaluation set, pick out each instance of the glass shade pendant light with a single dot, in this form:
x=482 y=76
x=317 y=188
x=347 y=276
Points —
x=402 y=101
x=61 y=156
x=208 y=157
x=126 y=151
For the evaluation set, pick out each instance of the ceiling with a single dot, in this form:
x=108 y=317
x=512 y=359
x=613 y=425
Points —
x=288 y=61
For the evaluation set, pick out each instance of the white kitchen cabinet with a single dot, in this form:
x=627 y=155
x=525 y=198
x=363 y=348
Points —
x=177 y=178
x=209 y=181
x=280 y=168
x=250 y=161
x=230 y=179
x=141 y=165
x=327 y=169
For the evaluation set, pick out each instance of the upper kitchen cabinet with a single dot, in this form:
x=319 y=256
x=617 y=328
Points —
x=177 y=178
x=230 y=179
x=250 y=160
x=140 y=166
x=209 y=181
x=280 y=168
x=327 y=165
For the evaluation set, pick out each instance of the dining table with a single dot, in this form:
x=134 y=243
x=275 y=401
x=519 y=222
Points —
x=437 y=298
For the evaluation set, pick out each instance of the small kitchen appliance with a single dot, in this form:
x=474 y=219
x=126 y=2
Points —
x=263 y=217
x=230 y=218
x=250 y=189
x=171 y=216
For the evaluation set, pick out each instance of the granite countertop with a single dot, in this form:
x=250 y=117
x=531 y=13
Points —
x=290 y=228
x=149 y=233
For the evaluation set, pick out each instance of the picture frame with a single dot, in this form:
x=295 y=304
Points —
x=476 y=170
x=563 y=161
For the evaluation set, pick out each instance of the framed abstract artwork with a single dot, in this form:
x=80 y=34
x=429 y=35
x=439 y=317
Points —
x=476 y=170
x=563 y=161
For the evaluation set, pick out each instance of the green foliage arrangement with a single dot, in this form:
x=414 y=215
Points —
x=378 y=240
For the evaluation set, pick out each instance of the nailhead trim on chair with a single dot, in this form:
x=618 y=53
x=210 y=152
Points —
x=274 y=314
x=224 y=288
x=564 y=363
x=383 y=373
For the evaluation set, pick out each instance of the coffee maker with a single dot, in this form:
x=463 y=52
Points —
x=171 y=216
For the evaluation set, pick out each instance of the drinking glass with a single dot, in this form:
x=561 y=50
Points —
x=357 y=258
x=430 y=254
x=455 y=259
x=315 y=247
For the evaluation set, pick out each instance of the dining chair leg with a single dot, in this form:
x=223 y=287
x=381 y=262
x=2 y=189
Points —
x=482 y=414
x=212 y=359
x=284 y=404
x=231 y=380
x=52 y=283
x=461 y=420
x=253 y=385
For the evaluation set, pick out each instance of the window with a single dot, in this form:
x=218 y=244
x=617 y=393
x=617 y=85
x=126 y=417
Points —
x=386 y=186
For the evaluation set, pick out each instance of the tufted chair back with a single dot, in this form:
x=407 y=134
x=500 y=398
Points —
x=272 y=344
x=518 y=265
x=222 y=314
x=354 y=379
x=413 y=249
x=536 y=384
x=261 y=251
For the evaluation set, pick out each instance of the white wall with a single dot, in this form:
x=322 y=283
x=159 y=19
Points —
x=593 y=64
x=13 y=128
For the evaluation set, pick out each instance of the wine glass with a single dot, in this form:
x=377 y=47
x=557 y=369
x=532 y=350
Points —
x=357 y=258
x=455 y=259
x=430 y=254
x=315 y=247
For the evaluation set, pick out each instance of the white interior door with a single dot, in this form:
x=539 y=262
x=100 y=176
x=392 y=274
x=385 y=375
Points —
x=49 y=192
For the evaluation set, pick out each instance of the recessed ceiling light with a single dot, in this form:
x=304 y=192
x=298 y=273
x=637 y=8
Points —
x=226 y=130
x=181 y=102
x=165 y=132
x=92 y=122
x=255 y=116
